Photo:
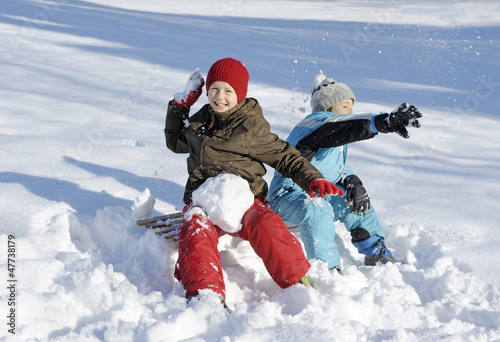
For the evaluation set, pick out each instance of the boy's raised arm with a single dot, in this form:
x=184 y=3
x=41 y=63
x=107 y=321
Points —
x=178 y=112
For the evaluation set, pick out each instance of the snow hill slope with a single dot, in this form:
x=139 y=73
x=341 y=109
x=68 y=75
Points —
x=83 y=96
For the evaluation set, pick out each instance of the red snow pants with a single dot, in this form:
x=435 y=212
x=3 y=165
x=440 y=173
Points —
x=198 y=266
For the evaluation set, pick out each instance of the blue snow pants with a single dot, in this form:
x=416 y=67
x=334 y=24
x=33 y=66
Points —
x=316 y=217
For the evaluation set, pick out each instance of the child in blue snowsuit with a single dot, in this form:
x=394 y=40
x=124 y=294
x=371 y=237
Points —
x=322 y=138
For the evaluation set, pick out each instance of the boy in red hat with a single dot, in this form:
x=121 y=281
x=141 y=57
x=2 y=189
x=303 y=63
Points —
x=230 y=136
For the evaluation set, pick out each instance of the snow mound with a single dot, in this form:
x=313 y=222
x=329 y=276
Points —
x=118 y=285
x=225 y=199
x=143 y=206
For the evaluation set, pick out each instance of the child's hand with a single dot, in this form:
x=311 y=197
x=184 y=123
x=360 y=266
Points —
x=356 y=197
x=399 y=119
x=190 y=95
x=322 y=187
x=402 y=117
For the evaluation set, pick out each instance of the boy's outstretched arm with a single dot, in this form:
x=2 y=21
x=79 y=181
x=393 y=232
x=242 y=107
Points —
x=337 y=131
x=347 y=129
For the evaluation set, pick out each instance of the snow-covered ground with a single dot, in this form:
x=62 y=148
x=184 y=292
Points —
x=84 y=88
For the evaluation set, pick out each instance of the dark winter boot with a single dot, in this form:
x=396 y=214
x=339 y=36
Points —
x=375 y=250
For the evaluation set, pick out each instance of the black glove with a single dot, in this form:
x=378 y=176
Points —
x=398 y=120
x=356 y=197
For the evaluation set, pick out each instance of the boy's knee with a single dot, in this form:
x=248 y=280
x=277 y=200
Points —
x=194 y=219
x=359 y=234
x=318 y=208
x=260 y=217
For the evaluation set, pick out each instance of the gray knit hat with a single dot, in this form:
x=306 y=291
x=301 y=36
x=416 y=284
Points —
x=326 y=92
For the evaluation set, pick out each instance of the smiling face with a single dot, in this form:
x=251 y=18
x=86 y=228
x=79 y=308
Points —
x=344 y=107
x=222 y=96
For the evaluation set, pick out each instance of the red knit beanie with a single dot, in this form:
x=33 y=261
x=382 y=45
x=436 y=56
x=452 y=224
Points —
x=231 y=71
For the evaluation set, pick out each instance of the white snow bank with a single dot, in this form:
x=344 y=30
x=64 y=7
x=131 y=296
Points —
x=143 y=206
x=107 y=279
x=225 y=199
x=435 y=296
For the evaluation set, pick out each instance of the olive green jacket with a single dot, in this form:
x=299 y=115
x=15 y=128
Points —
x=237 y=142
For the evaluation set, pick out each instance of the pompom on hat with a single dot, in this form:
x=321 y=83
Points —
x=231 y=71
x=326 y=92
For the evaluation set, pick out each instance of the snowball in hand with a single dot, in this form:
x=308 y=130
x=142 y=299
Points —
x=225 y=198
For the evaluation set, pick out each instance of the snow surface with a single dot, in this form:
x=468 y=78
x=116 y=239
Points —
x=83 y=96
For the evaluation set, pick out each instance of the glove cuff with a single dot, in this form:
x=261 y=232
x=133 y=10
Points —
x=351 y=181
x=174 y=109
x=381 y=123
